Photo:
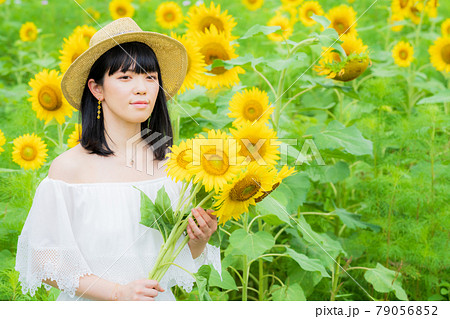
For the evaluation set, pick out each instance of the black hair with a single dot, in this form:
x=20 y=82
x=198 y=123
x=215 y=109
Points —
x=139 y=58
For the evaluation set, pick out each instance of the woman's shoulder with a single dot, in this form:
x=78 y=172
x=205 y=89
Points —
x=68 y=166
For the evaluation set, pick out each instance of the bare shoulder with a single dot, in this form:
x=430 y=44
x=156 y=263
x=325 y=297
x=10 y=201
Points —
x=67 y=166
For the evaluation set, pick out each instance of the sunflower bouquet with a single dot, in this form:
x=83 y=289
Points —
x=229 y=171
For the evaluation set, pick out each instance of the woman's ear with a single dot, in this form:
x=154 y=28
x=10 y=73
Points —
x=96 y=89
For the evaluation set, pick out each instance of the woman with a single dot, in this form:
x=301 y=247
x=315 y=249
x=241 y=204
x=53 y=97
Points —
x=82 y=234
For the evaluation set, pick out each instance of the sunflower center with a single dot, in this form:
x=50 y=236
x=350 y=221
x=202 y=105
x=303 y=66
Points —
x=341 y=26
x=180 y=159
x=49 y=99
x=207 y=21
x=252 y=110
x=403 y=3
x=30 y=33
x=215 y=163
x=245 y=189
x=121 y=11
x=445 y=53
x=252 y=1
x=169 y=16
x=309 y=13
x=403 y=54
x=28 y=153
x=213 y=51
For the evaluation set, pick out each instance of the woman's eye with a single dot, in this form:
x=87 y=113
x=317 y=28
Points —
x=152 y=77
x=124 y=77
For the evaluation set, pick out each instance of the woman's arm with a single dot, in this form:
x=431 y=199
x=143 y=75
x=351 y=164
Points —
x=92 y=287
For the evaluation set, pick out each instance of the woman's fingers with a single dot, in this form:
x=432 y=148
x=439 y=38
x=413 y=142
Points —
x=197 y=232
x=190 y=232
x=202 y=219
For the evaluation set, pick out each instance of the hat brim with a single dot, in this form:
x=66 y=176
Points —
x=171 y=55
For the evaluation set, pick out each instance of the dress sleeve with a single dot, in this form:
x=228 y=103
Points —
x=46 y=247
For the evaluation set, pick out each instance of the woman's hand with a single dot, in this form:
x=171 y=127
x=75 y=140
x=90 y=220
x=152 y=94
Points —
x=200 y=234
x=141 y=289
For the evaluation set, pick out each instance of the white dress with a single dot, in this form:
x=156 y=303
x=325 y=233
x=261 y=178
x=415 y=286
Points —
x=94 y=228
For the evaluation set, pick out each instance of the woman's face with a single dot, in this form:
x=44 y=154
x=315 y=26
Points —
x=129 y=95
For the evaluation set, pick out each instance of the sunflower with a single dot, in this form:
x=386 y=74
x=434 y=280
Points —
x=282 y=174
x=292 y=3
x=258 y=143
x=75 y=136
x=401 y=7
x=445 y=28
x=236 y=197
x=47 y=99
x=201 y=19
x=349 y=68
x=28 y=32
x=2 y=141
x=179 y=157
x=414 y=12
x=343 y=19
x=121 y=9
x=196 y=63
x=253 y=5
x=215 y=160
x=249 y=106
x=29 y=151
x=86 y=31
x=396 y=17
x=215 y=45
x=307 y=10
x=286 y=27
x=73 y=47
x=440 y=54
x=93 y=13
x=169 y=15
x=403 y=54
x=431 y=8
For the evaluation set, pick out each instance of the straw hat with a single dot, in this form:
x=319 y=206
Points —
x=171 y=55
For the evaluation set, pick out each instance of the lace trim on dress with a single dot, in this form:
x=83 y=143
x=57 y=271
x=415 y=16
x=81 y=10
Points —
x=65 y=266
x=177 y=276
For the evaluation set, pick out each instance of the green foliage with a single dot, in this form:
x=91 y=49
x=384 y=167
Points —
x=380 y=199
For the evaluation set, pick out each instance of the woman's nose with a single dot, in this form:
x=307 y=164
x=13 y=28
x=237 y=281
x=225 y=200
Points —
x=139 y=87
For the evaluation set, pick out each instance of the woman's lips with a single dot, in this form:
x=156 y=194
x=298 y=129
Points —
x=140 y=105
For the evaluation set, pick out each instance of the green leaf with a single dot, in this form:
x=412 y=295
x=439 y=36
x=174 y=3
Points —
x=326 y=174
x=241 y=60
x=307 y=263
x=149 y=213
x=256 y=29
x=320 y=243
x=336 y=136
x=252 y=245
x=281 y=64
x=202 y=278
x=164 y=205
x=227 y=281
x=385 y=280
x=321 y=19
x=292 y=292
x=352 y=221
x=441 y=97
x=295 y=188
x=273 y=211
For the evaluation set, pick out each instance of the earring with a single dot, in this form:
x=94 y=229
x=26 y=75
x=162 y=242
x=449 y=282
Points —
x=99 y=108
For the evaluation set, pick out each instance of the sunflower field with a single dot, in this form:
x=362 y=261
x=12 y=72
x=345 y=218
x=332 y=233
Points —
x=348 y=101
